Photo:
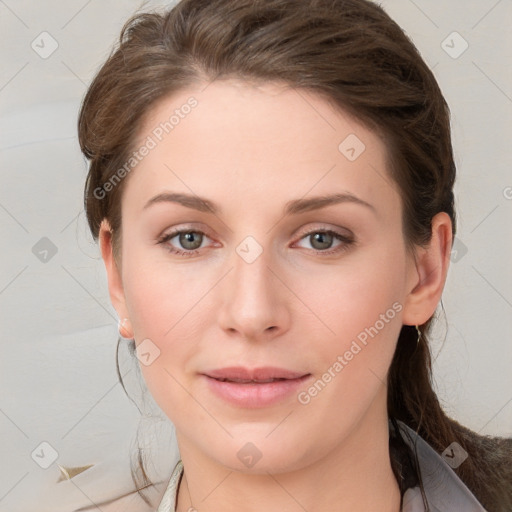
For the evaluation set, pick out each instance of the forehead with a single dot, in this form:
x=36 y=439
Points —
x=238 y=141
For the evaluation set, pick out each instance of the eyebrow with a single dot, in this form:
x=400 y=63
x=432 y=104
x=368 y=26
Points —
x=293 y=207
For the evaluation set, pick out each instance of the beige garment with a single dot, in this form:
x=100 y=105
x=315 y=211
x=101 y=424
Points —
x=445 y=491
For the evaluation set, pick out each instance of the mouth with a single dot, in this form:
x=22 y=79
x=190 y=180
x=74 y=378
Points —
x=255 y=388
x=250 y=381
x=247 y=375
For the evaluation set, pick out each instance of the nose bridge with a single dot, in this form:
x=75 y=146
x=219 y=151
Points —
x=252 y=303
x=251 y=277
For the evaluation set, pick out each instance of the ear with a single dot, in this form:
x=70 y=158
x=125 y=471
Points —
x=115 y=282
x=427 y=274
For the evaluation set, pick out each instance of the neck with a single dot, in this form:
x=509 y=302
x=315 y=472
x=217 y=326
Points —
x=356 y=475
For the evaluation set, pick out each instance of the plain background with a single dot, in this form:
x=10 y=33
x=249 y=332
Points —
x=58 y=329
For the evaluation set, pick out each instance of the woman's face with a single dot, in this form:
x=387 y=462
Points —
x=269 y=275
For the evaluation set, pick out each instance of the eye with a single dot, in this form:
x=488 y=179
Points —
x=189 y=240
x=322 y=240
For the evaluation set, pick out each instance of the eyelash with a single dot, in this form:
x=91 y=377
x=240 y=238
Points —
x=347 y=241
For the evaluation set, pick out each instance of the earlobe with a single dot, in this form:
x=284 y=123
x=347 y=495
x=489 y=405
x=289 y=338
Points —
x=429 y=273
x=115 y=283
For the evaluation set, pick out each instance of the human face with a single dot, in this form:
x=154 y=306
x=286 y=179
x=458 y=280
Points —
x=254 y=286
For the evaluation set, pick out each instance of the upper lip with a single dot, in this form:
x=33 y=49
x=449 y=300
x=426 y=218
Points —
x=256 y=374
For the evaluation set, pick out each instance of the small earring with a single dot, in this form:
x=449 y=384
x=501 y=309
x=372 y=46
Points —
x=121 y=325
x=419 y=335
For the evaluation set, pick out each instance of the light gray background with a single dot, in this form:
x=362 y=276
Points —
x=58 y=329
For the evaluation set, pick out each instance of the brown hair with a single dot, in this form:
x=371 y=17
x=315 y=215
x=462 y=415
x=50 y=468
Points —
x=354 y=55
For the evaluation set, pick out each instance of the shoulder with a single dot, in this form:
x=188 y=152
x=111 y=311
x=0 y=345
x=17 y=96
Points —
x=484 y=471
x=443 y=489
x=492 y=480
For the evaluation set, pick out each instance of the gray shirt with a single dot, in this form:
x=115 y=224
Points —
x=444 y=490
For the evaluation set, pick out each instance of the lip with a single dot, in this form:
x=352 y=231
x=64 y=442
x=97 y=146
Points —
x=254 y=394
x=262 y=373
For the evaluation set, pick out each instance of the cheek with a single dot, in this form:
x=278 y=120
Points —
x=362 y=307
x=353 y=295
x=167 y=307
x=161 y=295
x=360 y=303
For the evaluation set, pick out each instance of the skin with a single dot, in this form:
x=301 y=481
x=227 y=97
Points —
x=251 y=149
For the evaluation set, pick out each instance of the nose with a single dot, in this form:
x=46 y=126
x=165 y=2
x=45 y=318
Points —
x=254 y=302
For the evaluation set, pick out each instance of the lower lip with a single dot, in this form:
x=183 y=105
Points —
x=253 y=395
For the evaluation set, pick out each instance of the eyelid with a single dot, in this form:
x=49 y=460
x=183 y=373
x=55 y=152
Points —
x=342 y=232
x=195 y=227
x=184 y=229
x=201 y=228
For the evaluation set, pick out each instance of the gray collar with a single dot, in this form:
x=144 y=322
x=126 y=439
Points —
x=444 y=490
